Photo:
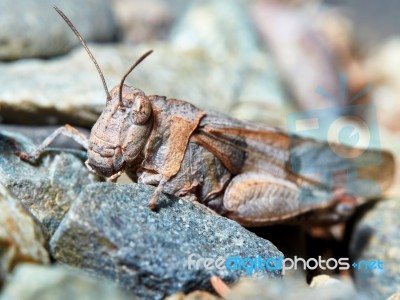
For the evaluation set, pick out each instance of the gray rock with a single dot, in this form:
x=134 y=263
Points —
x=69 y=90
x=32 y=282
x=262 y=96
x=48 y=188
x=31 y=28
x=377 y=237
x=21 y=238
x=222 y=28
x=109 y=230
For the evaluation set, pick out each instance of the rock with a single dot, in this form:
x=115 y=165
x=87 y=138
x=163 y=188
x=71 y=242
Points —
x=394 y=297
x=262 y=97
x=241 y=78
x=141 y=22
x=77 y=97
x=290 y=288
x=323 y=281
x=31 y=282
x=247 y=80
x=21 y=238
x=46 y=189
x=44 y=33
x=381 y=66
x=376 y=237
x=304 y=57
x=222 y=28
x=110 y=231
x=196 y=295
x=374 y=23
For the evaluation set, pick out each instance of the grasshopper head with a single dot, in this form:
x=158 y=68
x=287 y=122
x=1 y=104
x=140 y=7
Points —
x=121 y=132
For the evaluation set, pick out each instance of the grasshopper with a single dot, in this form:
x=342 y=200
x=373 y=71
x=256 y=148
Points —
x=252 y=173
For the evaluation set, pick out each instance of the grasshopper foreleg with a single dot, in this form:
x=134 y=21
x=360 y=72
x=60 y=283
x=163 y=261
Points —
x=66 y=130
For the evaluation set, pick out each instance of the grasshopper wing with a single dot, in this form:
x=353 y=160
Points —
x=273 y=168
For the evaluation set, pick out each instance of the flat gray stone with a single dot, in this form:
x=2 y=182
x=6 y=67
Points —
x=48 y=188
x=33 y=282
x=110 y=231
x=32 y=28
x=21 y=237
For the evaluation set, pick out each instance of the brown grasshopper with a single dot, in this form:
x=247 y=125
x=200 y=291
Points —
x=249 y=172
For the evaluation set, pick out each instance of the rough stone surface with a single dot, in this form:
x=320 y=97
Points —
x=21 y=238
x=48 y=188
x=109 y=230
x=31 y=28
x=32 y=282
x=377 y=237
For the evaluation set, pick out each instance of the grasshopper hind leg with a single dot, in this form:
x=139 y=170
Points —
x=257 y=199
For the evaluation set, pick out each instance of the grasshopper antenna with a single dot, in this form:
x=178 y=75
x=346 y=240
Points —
x=69 y=23
x=140 y=59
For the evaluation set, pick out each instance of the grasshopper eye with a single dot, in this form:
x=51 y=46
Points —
x=141 y=110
